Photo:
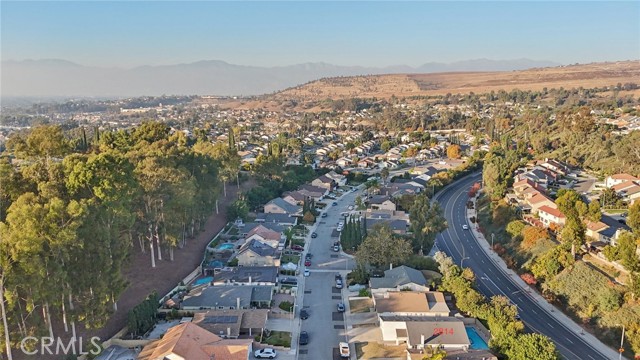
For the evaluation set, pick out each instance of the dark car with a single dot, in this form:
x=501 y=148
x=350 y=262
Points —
x=304 y=338
x=304 y=314
x=297 y=248
x=307 y=262
x=308 y=256
x=335 y=203
x=314 y=235
x=338 y=276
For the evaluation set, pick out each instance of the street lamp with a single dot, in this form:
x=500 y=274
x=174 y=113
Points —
x=621 y=350
x=492 y=236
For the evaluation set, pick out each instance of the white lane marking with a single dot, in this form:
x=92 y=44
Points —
x=551 y=326
x=571 y=342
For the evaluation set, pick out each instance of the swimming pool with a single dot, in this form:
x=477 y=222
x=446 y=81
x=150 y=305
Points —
x=226 y=246
x=203 y=281
x=477 y=343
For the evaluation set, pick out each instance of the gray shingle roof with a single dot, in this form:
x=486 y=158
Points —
x=398 y=276
x=258 y=248
x=287 y=207
x=276 y=218
x=227 y=296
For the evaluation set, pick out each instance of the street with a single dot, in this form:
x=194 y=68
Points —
x=537 y=315
x=326 y=326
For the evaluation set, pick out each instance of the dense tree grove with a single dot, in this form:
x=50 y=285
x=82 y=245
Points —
x=70 y=218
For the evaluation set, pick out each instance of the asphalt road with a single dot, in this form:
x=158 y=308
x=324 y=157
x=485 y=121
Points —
x=463 y=247
x=326 y=327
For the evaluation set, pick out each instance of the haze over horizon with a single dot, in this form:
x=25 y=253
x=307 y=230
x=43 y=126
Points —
x=248 y=48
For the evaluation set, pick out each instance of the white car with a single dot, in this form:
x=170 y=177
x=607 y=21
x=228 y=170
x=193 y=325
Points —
x=266 y=353
x=350 y=207
x=465 y=227
x=306 y=272
x=344 y=350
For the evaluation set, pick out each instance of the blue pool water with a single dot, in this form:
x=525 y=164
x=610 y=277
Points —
x=226 y=246
x=203 y=281
x=476 y=341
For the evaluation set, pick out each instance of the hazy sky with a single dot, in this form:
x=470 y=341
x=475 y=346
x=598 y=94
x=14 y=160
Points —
x=126 y=34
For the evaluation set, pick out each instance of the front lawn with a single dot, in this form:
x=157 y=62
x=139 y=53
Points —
x=277 y=338
x=372 y=350
x=360 y=305
x=290 y=259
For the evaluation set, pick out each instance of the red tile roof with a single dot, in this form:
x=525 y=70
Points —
x=551 y=211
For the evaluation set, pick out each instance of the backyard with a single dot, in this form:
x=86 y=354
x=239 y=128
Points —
x=360 y=305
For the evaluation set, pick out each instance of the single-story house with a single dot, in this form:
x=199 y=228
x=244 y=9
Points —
x=280 y=219
x=399 y=278
x=190 y=341
x=247 y=275
x=280 y=206
x=229 y=297
x=410 y=303
x=232 y=324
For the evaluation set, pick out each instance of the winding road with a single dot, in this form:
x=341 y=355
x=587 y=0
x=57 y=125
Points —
x=491 y=279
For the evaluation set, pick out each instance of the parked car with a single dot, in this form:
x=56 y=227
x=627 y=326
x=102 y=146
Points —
x=314 y=235
x=334 y=204
x=338 y=276
x=306 y=273
x=336 y=247
x=304 y=338
x=344 y=350
x=289 y=281
x=350 y=207
x=297 y=248
x=304 y=314
x=340 y=307
x=266 y=353
x=308 y=256
x=465 y=227
x=307 y=262
x=323 y=215
x=338 y=283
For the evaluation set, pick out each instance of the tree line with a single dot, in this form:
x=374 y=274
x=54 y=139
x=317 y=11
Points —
x=70 y=217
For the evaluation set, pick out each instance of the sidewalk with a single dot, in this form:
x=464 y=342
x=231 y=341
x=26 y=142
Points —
x=568 y=323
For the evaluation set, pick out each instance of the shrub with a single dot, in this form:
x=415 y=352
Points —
x=529 y=278
x=286 y=306
x=364 y=293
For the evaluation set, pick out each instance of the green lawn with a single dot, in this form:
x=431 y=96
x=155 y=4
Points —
x=290 y=258
x=277 y=338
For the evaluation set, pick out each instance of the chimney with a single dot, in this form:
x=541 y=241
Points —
x=229 y=332
x=237 y=303
x=422 y=339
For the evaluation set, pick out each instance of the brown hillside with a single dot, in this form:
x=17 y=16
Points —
x=308 y=97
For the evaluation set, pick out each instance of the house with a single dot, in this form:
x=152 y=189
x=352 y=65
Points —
x=232 y=324
x=446 y=333
x=324 y=182
x=190 y=341
x=381 y=202
x=539 y=200
x=607 y=230
x=410 y=303
x=247 y=275
x=228 y=297
x=257 y=253
x=618 y=179
x=280 y=206
x=549 y=215
x=398 y=226
x=556 y=166
x=399 y=278
x=340 y=180
x=344 y=162
x=628 y=190
x=314 y=189
x=280 y=219
x=266 y=236
x=295 y=197
x=366 y=163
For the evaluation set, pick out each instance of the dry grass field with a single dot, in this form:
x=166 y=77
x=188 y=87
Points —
x=407 y=85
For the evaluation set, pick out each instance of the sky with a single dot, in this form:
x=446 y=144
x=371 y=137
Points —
x=135 y=33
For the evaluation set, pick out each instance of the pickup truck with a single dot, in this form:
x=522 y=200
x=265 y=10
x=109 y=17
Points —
x=344 y=350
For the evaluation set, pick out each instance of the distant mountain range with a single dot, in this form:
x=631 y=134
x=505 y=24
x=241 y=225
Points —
x=54 y=77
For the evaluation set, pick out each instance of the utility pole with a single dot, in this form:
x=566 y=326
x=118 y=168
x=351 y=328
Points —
x=492 y=236
x=621 y=350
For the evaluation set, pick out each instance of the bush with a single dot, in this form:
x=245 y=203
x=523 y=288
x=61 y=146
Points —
x=286 y=306
x=364 y=293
